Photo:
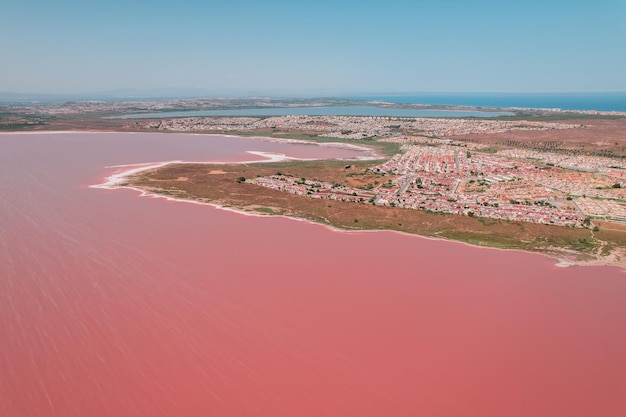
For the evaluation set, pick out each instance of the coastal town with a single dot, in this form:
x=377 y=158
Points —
x=451 y=179
x=351 y=127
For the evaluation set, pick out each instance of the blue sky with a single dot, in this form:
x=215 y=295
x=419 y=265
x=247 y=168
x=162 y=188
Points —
x=311 y=48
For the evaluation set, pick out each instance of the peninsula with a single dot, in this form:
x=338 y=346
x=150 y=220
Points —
x=542 y=180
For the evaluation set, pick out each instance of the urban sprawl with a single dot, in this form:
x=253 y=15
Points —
x=438 y=173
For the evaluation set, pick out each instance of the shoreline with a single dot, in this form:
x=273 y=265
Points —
x=560 y=261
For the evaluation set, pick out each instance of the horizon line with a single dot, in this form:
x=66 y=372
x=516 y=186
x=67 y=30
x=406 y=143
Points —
x=172 y=93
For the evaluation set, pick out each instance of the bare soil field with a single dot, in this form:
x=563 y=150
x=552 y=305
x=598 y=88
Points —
x=598 y=136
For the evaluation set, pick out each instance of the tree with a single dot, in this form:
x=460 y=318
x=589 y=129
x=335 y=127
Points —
x=241 y=179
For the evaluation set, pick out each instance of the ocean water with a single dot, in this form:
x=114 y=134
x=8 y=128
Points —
x=564 y=101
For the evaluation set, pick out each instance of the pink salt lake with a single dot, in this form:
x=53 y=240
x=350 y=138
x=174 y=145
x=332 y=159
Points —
x=117 y=305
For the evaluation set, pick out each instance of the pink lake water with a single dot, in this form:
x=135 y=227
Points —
x=116 y=305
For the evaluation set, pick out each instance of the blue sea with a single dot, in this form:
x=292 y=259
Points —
x=563 y=101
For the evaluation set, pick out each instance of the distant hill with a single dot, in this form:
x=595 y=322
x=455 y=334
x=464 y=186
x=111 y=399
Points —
x=119 y=94
x=138 y=94
x=12 y=97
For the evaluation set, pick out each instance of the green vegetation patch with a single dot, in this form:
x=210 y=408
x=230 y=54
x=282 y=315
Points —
x=267 y=210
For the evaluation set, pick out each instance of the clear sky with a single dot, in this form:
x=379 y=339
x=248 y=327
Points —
x=313 y=47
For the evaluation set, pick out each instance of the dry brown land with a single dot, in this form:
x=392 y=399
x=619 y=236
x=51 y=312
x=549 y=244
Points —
x=598 y=137
x=202 y=183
